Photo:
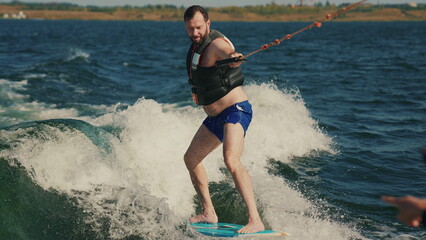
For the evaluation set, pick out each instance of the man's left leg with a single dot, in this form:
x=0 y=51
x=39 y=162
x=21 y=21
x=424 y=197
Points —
x=233 y=146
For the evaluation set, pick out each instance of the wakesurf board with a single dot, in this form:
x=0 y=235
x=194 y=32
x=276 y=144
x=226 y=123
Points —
x=230 y=230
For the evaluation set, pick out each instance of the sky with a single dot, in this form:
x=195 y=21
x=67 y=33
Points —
x=215 y=3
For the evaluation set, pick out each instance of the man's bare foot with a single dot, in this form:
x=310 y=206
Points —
x=204 y=217
x=253 y=226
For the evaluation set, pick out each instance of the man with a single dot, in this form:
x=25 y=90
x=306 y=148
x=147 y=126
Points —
x=218 y=89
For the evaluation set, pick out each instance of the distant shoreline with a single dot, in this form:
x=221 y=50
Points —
x=268 y=13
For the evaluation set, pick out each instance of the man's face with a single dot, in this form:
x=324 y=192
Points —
x=197 y=28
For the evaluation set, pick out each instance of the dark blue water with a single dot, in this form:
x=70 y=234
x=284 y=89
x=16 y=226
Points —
x=95 y=117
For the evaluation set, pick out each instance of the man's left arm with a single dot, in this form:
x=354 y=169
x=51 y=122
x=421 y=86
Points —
x=224 y=50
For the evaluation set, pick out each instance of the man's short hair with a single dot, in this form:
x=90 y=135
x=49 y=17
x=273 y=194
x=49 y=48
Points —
x=192 y=10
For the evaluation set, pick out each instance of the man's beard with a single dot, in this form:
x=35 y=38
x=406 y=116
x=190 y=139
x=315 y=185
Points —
x=205 y=35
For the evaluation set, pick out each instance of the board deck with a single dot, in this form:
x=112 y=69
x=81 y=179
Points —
x=230 y=230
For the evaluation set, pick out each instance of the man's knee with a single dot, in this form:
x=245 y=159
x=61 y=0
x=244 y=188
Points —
x=188 y=161
x=191 y=160
x=233 y=164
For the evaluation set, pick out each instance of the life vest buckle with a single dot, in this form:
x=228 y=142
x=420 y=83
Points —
x=195 y=61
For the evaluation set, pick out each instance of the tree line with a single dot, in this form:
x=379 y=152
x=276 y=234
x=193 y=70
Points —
x=268 y=9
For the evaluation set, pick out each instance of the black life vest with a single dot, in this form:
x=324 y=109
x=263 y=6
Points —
x=212 y=83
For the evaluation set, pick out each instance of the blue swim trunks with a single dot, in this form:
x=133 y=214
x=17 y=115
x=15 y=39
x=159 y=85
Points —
x=237 y=113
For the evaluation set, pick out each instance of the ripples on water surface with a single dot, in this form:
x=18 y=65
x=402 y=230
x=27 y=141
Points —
x=96 y=116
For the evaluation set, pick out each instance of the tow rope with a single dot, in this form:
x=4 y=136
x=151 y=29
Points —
x=318 y=24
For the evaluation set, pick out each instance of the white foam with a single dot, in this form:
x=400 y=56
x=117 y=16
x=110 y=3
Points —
x=35 y=76
x=143 y=177
x=75 y=53
x=282 y=126
x=52 y=112
x=63 y=160
x=19 y=108
x=13 y=84
x=8 y=89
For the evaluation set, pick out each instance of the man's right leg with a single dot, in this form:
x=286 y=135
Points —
x=203 y=143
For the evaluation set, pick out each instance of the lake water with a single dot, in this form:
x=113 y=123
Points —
x=95 y=118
